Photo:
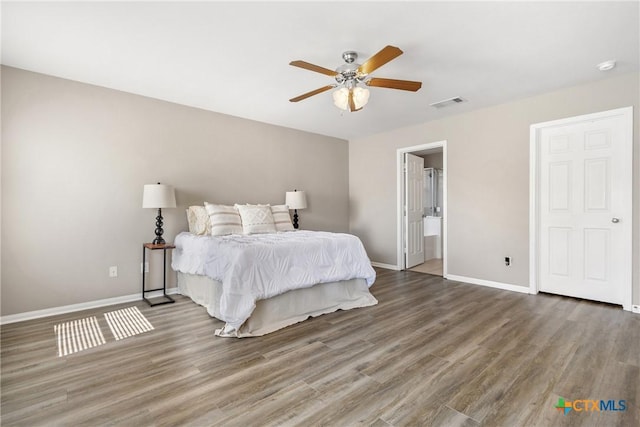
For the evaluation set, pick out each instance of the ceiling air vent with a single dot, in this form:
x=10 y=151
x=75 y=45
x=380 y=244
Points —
x=448 y=102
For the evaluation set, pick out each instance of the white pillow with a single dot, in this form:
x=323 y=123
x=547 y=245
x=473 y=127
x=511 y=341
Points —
x=281 y=218
x=223 y=219
x=198 y=220
x=256 y=219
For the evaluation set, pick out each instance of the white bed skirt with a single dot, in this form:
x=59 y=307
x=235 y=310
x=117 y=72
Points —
x=282 y=310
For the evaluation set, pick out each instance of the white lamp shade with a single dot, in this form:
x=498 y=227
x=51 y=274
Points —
x=158 y=196
x=296 y=200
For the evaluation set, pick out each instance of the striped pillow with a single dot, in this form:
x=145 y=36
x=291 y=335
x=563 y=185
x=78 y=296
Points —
x=282 y=218
x=223 y=219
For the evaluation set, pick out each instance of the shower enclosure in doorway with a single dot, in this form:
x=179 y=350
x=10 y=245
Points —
x=432 y=192
x=432 y=213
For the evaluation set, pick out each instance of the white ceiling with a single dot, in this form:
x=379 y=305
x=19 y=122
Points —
x=232 y=57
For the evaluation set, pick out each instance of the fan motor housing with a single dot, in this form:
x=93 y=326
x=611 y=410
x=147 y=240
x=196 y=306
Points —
x=348 y=71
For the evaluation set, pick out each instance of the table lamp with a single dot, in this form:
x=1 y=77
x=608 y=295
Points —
x=158 y=196
x=296 y=200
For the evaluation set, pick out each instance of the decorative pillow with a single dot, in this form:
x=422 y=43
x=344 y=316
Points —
x=223 y=219
x=198 y=220
x=282 y=218
x=256 y=219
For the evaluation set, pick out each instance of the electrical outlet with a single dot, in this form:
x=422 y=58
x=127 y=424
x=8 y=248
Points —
x=146 y=268
x=113 y=271
x=507 y=261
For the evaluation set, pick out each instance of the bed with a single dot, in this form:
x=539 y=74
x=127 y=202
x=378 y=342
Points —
x=259 y=283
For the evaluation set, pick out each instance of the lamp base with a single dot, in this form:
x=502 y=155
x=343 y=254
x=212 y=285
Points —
x=159 y=231
x=295 y=219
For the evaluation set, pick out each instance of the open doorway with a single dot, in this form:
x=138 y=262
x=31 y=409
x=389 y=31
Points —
x=433 y=209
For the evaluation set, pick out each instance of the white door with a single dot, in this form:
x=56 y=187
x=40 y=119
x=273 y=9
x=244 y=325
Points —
x=413 y=201
x=584 y=204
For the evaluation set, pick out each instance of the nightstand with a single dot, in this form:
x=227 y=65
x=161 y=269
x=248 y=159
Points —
x=166 y=299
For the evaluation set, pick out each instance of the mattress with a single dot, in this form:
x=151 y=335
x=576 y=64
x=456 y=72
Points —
x=282 y=310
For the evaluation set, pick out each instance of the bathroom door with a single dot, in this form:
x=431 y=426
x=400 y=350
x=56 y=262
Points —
x=584 y=206
x=413 y=212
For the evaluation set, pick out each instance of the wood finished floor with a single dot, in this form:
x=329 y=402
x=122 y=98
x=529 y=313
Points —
x=432 y=352
x=430 y=266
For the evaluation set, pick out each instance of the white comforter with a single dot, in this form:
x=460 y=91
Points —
x=261 y=266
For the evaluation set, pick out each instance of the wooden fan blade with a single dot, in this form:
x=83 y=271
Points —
x=394 y=84
x=352 y=104
x=309 y=94
x=379 y=59
x=312 y=67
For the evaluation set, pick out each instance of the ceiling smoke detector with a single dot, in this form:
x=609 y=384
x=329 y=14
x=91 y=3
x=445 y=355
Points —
x=448 y=102
x=606 y=65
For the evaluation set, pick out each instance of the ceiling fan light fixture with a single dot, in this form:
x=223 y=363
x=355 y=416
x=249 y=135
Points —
x=341 y=98
x=348 y=96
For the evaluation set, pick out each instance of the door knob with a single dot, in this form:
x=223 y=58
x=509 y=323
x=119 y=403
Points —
x=615 y=220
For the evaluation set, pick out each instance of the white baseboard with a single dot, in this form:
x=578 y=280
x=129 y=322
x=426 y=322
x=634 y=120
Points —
x=387 y=266
x=489 y=283
x=29 y=315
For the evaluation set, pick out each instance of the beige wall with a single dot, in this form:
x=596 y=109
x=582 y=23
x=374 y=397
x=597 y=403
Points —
x=75 y=158
x=432 y=160
x=488 y=179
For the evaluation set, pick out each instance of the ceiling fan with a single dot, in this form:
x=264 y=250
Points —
x=350 y=96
